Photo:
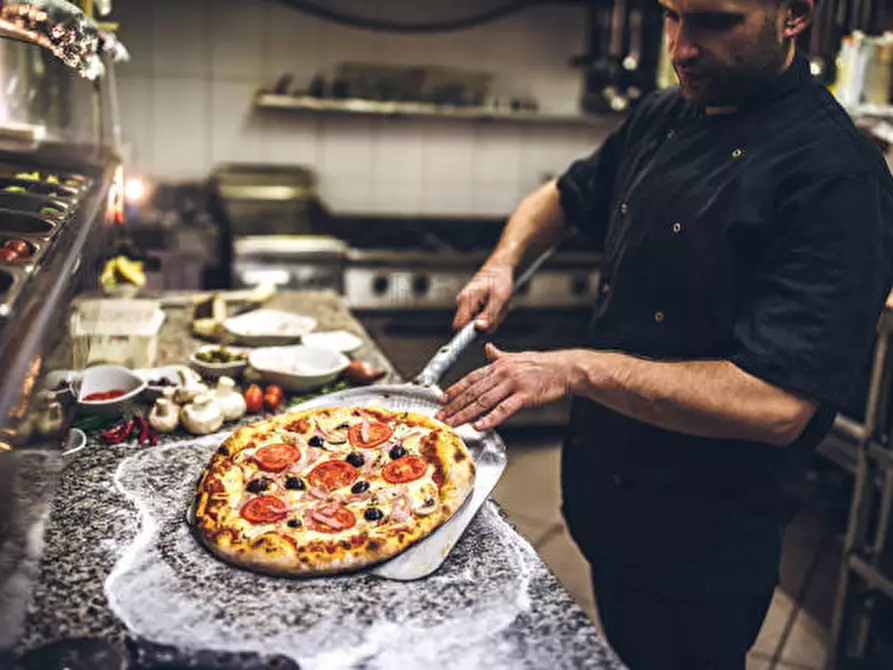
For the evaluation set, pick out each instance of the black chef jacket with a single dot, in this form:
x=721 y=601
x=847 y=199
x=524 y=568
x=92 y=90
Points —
x=763 y=238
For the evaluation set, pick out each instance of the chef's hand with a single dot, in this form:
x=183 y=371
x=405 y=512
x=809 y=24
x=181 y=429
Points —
x=488 y=292
x=509 y=383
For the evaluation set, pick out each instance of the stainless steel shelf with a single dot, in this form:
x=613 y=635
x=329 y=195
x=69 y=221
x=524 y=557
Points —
x=372 y=108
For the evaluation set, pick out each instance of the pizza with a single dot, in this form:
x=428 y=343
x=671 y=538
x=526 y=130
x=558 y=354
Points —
x=330 y=490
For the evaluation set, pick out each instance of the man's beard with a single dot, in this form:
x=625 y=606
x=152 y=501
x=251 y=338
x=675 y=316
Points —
x=743 y=80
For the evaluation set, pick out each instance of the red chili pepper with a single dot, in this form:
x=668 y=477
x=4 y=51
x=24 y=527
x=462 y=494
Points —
x=115 y=439
x=114 y=433
x=144 y=430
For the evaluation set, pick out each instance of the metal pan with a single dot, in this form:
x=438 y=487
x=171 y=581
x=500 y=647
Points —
x=422 y=396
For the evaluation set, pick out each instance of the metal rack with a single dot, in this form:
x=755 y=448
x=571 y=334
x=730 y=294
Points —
x=864 y=577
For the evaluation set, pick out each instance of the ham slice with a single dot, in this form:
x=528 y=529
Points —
x=364 y=429
x=358 y=497
x=319 y=493
x=329 y=521
x=309 y=456
x=401 y=507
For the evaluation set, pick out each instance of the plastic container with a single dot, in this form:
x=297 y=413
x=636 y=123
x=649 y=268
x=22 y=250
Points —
x=116 y=332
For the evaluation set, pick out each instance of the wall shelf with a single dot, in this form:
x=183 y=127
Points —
x=372 y=108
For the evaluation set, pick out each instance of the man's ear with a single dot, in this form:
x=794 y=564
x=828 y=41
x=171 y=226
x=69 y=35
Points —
x=798 y=16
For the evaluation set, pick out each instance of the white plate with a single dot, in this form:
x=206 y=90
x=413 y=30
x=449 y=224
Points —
x=269 y=326
x=336 y=340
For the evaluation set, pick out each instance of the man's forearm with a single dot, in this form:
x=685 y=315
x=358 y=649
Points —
x=537 y=224
x=704 y=398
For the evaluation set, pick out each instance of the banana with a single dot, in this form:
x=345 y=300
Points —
x=131 y=271
x=108 y=273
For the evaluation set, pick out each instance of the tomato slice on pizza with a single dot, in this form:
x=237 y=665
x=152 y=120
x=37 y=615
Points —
x=330 y=519
x=369 y=434
x=405 y=469
x=333 y=475
x=264 y=509
x=276 y=457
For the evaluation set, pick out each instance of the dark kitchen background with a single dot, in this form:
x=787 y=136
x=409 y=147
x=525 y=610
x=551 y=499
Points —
x=289 y=145
x=394 y=203
x=187 y=100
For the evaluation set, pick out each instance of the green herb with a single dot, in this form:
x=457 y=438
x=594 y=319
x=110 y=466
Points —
x=340 y=385
x=93 y=422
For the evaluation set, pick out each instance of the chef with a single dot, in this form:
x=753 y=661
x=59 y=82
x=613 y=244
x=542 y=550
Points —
x=747 y=230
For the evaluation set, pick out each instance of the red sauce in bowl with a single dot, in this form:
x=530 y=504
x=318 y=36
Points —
x=104 y=395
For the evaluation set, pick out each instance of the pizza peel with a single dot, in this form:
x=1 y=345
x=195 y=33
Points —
x=422 y=395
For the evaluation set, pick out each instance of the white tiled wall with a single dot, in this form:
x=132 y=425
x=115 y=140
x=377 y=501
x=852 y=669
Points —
x=196 y=64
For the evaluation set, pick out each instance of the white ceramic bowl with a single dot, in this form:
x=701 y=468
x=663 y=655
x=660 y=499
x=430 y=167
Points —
x=299 y=368
x=214 y=370
x=102 y=378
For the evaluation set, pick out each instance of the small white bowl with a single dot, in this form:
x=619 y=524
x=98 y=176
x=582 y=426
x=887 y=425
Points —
x=341 y=341
x=215 y=370
x=268 y=327
x=102 y=378
x=299 y=368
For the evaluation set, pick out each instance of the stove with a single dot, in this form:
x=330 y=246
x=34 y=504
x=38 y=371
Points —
x=423 y=264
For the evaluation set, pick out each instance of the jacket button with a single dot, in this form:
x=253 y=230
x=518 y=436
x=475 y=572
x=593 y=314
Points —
x=624 y=208
x=670 y=133
x=606 y=288
x=737 y=153
x=677 y=227
x=658 y=316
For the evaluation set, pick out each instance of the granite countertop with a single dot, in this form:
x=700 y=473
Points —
x=118 y=560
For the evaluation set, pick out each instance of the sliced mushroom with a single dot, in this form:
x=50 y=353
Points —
x=425 y=500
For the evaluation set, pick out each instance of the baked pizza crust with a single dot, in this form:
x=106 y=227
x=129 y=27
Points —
x=280 y=550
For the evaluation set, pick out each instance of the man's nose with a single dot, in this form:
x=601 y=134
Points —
x=682 y=49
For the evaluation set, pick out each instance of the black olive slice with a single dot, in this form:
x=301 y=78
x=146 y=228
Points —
x=258 y=485
x=294 y=483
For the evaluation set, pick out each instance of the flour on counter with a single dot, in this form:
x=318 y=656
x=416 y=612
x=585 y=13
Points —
x=168 y=588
